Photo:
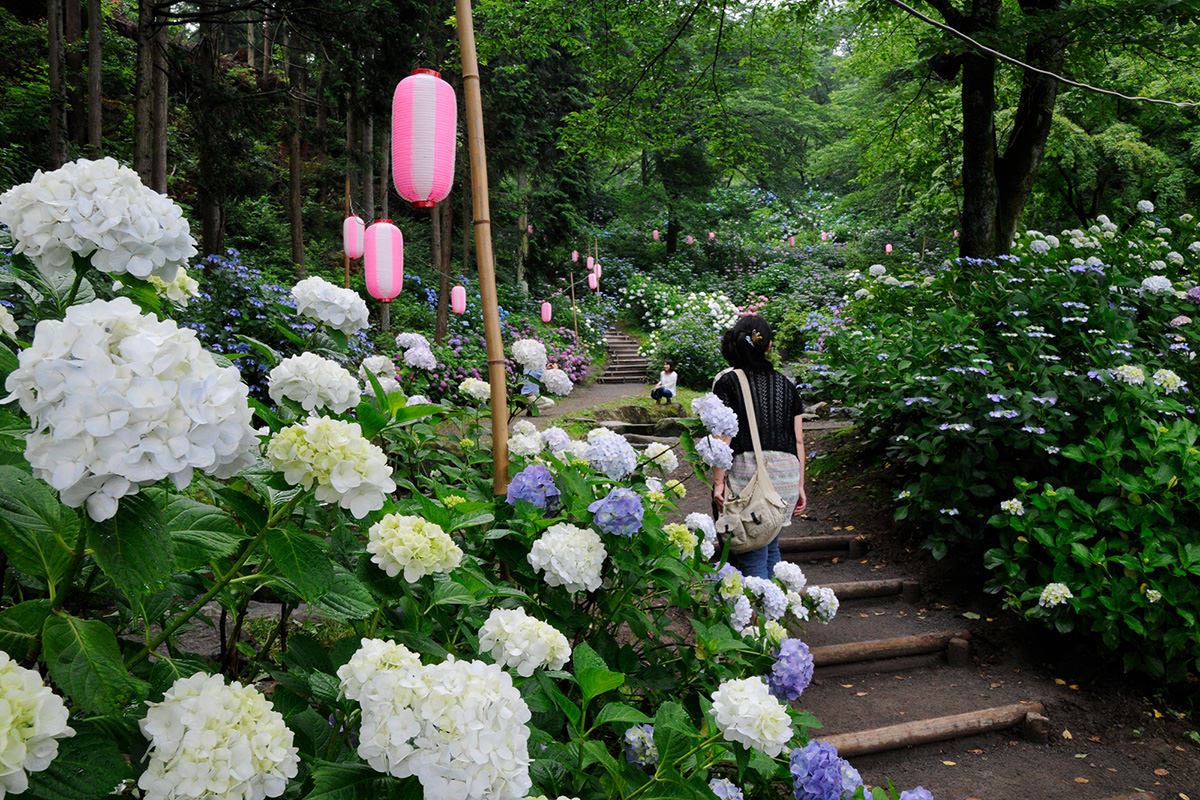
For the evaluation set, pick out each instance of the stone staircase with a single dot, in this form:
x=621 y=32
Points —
x=624 y=365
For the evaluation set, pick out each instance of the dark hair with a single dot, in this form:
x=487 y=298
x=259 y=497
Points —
x=669 y=362
x=745 y=345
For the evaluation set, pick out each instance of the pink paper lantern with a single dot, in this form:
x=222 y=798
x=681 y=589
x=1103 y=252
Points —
x=824 y=236
x=424 y=121
x=690 y=239
x=593 y=281
x=591 y=262
x=458 y=299
x=574 y=255
x=384 y=262
x=956 y=233
x=712 y=236
x=791 y=241
x=529 y=229
x=597 y=270
x=887 y=248
x=546 y=311
x=654 y=236
x=354 y=232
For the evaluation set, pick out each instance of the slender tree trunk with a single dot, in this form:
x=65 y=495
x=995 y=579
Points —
x=981 y=195
x=437 y=244
x=523 y=228
x=143 y=134
x=368 y=157
x=351 y=149
x=205 y=107
x=468 y=227
x=95 y=85
x=158 y=163
x=250 y=44
x=385 y=171
x=446 y=212
x=266 y=53
x=76 y=114
x=295 y=205
x=57 y=70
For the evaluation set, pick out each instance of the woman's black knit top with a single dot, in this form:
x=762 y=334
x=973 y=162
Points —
x=777 y=403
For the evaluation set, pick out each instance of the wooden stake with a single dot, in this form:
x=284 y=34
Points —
x=345 y=255
x=574 y=314
x=483 y=246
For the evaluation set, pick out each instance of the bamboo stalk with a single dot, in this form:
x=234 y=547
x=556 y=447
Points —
x=483 y=245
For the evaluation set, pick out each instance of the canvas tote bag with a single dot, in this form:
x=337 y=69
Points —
x=754 y=517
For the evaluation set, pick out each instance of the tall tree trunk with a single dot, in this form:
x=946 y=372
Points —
x=468 y=223
x=205 y=108
x=95 y=86
x=266 y=53
x=295 y=206
x=143 y=132
x=368 y=167
x=57 y=70
x=385 y=171
x=250 y=44
x=352 y=153
x=158 y=162
x=76 y=114
x=981 y=195
x=522 y=228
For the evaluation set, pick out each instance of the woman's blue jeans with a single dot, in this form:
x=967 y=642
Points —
x=760 y=563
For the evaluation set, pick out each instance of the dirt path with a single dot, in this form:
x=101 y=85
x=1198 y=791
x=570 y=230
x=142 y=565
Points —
x=592 y=395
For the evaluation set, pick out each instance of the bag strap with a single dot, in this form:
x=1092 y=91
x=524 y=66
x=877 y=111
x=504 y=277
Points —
x=750 y=417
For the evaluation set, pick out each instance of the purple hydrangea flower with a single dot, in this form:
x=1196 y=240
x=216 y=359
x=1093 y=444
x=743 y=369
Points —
x=725 y=789
x=639 y=745
x=1193 y=294
x=611 y=454
x=556 y=439
x=820 y=774
x=620 y=512
x=792 y=671
x=714 y=452
x=919 y=793
x=716 y=416
x=534 y=484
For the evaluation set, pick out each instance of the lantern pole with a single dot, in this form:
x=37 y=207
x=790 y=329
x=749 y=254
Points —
x=497 y=376
x=345 y=255
x=574 y=315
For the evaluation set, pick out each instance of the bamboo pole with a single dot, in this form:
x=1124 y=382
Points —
x=483 y=246
x=345 y=255
x=574 y=314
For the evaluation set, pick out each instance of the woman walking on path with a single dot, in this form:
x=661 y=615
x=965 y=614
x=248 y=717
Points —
x=777 y=408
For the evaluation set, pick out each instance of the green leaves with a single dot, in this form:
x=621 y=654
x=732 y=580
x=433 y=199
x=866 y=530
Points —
x=88 y=767
x=20 y=625
x=85 y=662
x=593 y=675
x=37 y=532
x=200 y=533
x=133 y=547
x=353 y=781
x=301 y=560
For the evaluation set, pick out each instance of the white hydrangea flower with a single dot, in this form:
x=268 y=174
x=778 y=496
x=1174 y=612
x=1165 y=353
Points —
x=774 y=633
x=682 y=537
x=525 y=445
x=1174 y=257
x=1157 y=265
x=577 y=450
x=32 y=721
x=791 y=576
x=407 y=341
x=1153 y=595
x=1157 y=284
x=340 y=309
x=742 y=613
x=1194 y=247
x=384 y=370
x=556 y=439
x=476 y=389
x=1054 y=594
x=1014 y=507
x=420 y=358
x=773 y=600
x=611 y=454
x=745 y=711
x=1145 y=206
x=97 y=209
x=662 y=456
x=1039 y=246
x=522 y=642
x=179 y=291
x=313 y=381
x=1168 y=380
x=797 y=606
x=346 y=468
x=1052 y=241
x=417 y=400
x=714 y=452
x=703 y=524
x=557 y=382
x=1127 y=373
x=877 y=270
x=861 y=293
x=212 y=740
x=119 y=400
x=570 y=557
x=530 y=354
x=8 y=324
x=524 y=427
x=372 y=656
x=826 y=602
x=460 y=727
x=414 y=546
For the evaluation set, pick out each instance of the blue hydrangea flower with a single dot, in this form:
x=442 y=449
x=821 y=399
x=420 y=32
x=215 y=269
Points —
x=725 y=789
x=639 y=745
x=716 y=416
x=619 y=512
x=792 y=671
x=612 y=455
x=919 y=793
x=820 y=774
x=556 y=439
x=534 y=484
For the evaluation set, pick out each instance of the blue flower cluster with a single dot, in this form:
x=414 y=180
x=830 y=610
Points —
x=792 y=671
x=639 y=745
x=919 y=793
x=620 y=512
x=819 y=773
x=716 y=416
x=725 y=789
x=612 y=455
x=534 y=484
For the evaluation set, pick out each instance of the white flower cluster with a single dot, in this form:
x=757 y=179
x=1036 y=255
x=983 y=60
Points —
x=714 y=452
x=313 y=381
x=1014 y=507
x=611 y=454
x=557 y=382
x=522 y=642
x=745 y=711
x=662 y=456
x=8 y=324
x=420 y=358
x=556 y=439
x=98 y=209
x=530 y=354
x=384 y=370
x=346 y=468
x=703 y=523
x=772 y=599
x=877 y=271
x=212 y=740
x=414 y=546
x=1054 y=594
x=1127 y=373
x=33 y=720
x=183 y=288
x=716 y=416
x=1145 y=206
x=525 y=439
x=373 y=656
x=460 y=727
x=340 y=309
x=791 y=576
x=1157 y=284
x=826 y=602
x=682 y=537
x=410 y=341
x=570 y=557
x=1168 y=380
x=120 y=400
x=476 y=389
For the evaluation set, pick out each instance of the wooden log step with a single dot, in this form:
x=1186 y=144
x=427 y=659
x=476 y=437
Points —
x=813 y=556
x=884 y=648
x=832 y=541
x=883 y=665
x=884 y=587
x=937 y=729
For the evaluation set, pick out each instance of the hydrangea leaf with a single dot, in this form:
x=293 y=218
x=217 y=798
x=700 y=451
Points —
x=301 y=560
x=85 y=662
x=348 y=597
x=36 y=531
x=452 y=593
x=349 y=781
x=133 y=547
x=19 y=627
x=88 y=766
x=620 y=713
x=200 y=532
